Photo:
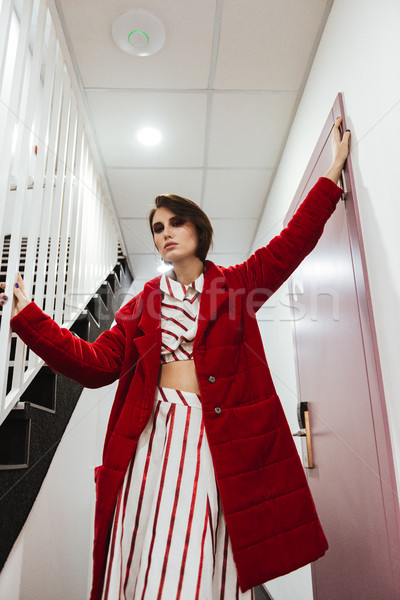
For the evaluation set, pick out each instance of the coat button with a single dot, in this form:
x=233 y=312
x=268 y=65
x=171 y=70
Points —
x=211 y=379
x=217 y=410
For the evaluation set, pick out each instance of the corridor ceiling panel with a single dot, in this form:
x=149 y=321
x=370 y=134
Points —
x=223 y=92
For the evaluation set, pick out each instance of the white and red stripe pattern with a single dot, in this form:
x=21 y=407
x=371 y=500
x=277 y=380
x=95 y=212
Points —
x=179 y=312
x=169 y=539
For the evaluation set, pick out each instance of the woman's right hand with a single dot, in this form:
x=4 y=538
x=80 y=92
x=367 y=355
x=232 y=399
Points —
x=340 y=151
x=21 y=300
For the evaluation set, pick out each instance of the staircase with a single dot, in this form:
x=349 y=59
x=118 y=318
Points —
x=30 y=434
x=21 y=268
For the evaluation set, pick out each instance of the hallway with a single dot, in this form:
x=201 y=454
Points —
x=105 y=105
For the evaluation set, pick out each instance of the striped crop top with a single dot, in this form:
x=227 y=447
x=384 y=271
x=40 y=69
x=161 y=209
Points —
x=179 y=312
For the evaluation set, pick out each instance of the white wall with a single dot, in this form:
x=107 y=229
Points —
x=358 y=56
x=51 y=559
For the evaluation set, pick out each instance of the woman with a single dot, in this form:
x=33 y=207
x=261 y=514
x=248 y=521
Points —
x=201 y=493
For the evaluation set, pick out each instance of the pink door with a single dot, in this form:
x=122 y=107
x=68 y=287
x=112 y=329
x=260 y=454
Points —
x=338 y=373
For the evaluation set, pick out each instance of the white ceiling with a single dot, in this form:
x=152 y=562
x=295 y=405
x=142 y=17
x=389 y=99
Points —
x=223 y=92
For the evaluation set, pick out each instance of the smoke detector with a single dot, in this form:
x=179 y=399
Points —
x=139 y=32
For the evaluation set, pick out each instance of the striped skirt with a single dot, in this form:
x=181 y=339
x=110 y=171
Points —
x=169 y=539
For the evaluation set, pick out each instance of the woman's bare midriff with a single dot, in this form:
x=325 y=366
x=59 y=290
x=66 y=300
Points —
x=179 y=375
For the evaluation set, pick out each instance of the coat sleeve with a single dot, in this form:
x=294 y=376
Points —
x=265 y=270
x=90 y=364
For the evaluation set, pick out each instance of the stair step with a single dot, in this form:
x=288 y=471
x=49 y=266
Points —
x=41 y=392
x=15 y=435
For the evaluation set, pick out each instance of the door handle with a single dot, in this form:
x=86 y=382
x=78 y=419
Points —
x=344 y=186
x=301 y=433
x=305 y=434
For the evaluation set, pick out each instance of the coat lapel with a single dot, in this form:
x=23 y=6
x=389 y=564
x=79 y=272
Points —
x=215 y=291
x=150 y=323
x=151 y=313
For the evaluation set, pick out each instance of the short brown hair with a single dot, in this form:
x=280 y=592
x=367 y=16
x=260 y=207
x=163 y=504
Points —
x=182 y=207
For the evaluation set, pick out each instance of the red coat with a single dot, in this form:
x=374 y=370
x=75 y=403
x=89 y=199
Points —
x=268 y=508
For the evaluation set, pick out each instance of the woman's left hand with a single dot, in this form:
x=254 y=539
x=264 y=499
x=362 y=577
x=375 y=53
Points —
x=340 y=151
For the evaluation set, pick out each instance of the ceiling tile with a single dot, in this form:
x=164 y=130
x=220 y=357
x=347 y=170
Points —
x=247 y=130
x=183 y=62
x=235 y=192
x=268 y=42
x=233 y=233
x=180 y=118
x=134 y=190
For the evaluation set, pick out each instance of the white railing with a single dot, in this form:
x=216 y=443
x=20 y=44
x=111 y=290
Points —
x=57 y=225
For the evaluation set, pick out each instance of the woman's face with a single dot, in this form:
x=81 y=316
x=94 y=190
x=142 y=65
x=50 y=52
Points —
x=175 y=237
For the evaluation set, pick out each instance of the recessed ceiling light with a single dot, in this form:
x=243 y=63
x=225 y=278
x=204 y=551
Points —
x=149 y=136
x=139 y=32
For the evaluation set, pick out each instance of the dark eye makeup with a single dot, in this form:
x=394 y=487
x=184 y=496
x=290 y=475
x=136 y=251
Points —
x=176 y=222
